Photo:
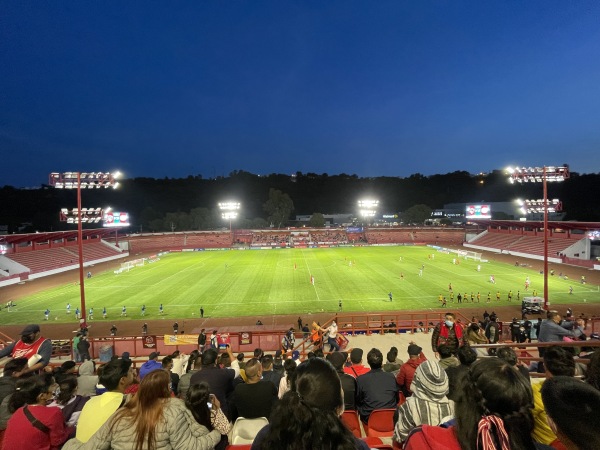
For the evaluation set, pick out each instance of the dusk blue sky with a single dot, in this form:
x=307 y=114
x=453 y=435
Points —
x=369 y=88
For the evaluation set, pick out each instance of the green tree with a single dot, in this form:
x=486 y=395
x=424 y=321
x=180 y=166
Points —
x=416 y=214
x=317 y=220
x=279 y=207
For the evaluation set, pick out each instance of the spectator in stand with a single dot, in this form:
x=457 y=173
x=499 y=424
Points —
x=551 y=331
x=68 y=400
x=393 y=363
x=115 y=376
x=167 y=364
x=492 y=410
x=256 y=397
x=492 y=332
x=151 y=365
x=268 y=374
x=33 y=346
x=33 y=425
x=592 y=374
x=87 y=379
x=508 y=354
x=376 y=389
x=220 y=380
x=466 y=356
x=448 y=333
x=558 y=362
x=151 y=419
x=447 y=359
x=476 y=336
x=180 y=361
x=278 y=362
x=289 y=367
x=8 y=385
x=185 y=380
x=428 y=405
x=407 y=370
x=337 y=360
x=197 y=400
x=307 y=417
x=572 y=408
x=201 y=341
x=356 y=368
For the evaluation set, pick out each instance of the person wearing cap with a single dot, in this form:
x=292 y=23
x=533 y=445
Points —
x=428 y=405
x=33 y=346
x=150 y=365
x=116 y=376
x=376 y=389
x=337 y=360
x=356 y=369
x=407 y=370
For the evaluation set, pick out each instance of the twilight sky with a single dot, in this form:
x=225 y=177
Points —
x=360 y=87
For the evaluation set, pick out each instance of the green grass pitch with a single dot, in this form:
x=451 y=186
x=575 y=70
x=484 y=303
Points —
x=264 y=282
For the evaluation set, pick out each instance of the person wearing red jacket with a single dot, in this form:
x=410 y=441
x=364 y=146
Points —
x=407 y=370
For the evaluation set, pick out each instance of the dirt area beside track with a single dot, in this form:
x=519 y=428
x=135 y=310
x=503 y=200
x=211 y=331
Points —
x=193 y=325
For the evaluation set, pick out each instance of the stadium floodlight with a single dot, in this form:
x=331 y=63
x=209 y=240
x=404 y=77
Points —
x=79 y=181
x=541 y=175
x=367 y=208
x=229 y=211
x=88 y=215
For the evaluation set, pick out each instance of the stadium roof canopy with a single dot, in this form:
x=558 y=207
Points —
x=583 y=226
x=52 y=236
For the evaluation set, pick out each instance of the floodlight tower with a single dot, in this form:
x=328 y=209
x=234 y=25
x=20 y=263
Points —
x=367 y=208
x=541 y=175
x=79 y=181
x=229 y=211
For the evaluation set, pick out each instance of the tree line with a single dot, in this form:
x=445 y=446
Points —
x=181 y=204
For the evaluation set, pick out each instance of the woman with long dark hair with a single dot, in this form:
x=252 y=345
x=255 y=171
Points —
x=308 y=416
x=151 y=420
x=68 y=400
x=206 y=409
x=33 y=424
x=289 y=366
x=492 y=409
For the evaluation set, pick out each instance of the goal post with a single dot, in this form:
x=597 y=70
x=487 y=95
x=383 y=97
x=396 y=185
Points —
x=128 y=265
x=467 y=254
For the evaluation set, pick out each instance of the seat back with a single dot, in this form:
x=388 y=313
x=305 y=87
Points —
x=350 y=419
x=381 y=423
x=245 y=430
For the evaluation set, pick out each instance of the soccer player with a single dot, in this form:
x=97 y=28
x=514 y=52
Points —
x=46 y=314
x=440 y=297
x=443 y=302
x=498 y=296
x=68 y=308
x=472 y=297
x=123 y=311
x=510 y=296
x=570 y=290
x=489 y=297
x=478 y=297
x=452 y=296
x=77 y=313
x=450 y=286
x=160 y=309
x=390 y=296
x=459 y=298
x=518 y=296
x=104 y=313
x=340 y=305
x=201 y=312
x=143 y=310
x=91 y=314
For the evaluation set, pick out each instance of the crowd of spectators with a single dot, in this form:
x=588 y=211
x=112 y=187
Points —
x=461 y=399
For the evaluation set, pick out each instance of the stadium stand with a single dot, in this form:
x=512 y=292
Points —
x=179 y=241
x=533 y=245
x=45 y=259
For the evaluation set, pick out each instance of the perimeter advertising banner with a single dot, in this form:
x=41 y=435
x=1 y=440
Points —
x=478 y=212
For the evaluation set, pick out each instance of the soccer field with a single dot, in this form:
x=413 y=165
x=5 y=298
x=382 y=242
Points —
x=263 y=282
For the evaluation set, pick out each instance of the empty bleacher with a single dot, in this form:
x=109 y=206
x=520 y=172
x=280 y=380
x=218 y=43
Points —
x=500 y=241
x=534 y=245
x=45 y=259
x=179 y=241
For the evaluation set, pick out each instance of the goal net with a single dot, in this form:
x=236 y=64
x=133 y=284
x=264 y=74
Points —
x=470 y=255
x=128 y=265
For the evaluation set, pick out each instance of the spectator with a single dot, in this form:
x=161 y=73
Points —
x=508 y=354
x=167 y=364
x=476 y=336
x=83 y=347
x=151 y=365
x=268 y=374
x=32 y=346
x=68 y=400
x=551 y=331
x=337 y=360
x=407 y=370
x=152 y=416
x=33 y=425
x=572 y=408
x=492 y=412
x=307 y=417
x=447 y=359
x=558 y=362
x=289 y=367
x=448 y=333
x=393 y=363
x=356 y=369
x=428 y=404
x=376 y=389
x=256 y=397
x=115 y=376
x=278 y=362
x=8 y=385
x=87 y=379
x=180 y=361
x=492 y=332
x=201 y=341
x=185 y=381
x=219 y=380
x=197 y=400
x=466 y=356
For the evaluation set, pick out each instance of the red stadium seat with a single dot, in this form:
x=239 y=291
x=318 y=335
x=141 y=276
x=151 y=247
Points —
x=350 y=418
x=381 y=423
